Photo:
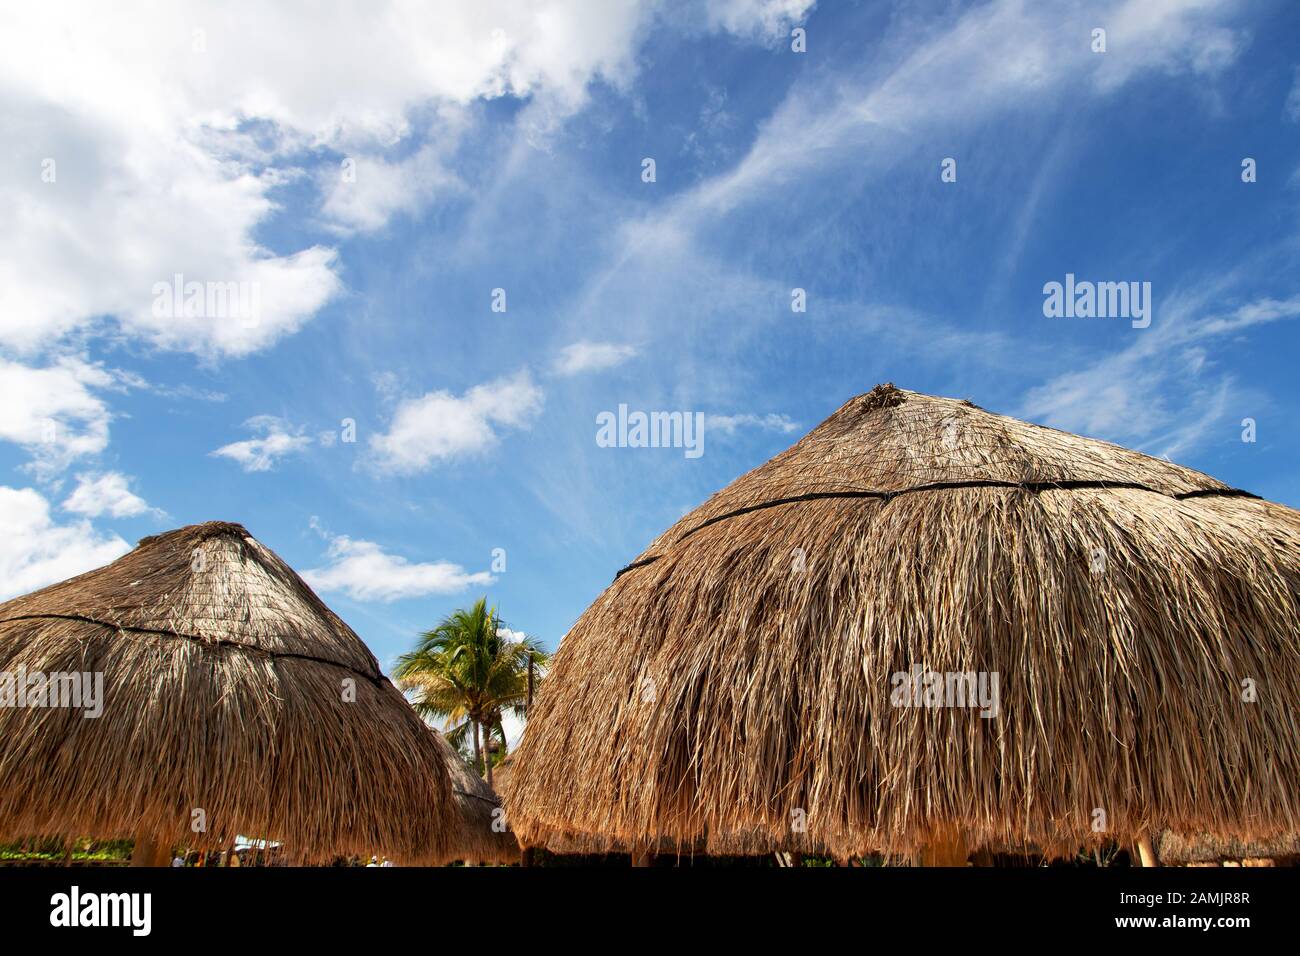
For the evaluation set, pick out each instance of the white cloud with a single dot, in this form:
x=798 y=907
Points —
x=278 y=440
x=53 y=412
x=510 y=634
x=591 y=357
x=766 y=19
x=145 y=203
x=35 y=552
x=375 y=189
x=109 y=494
x=730 y=423
x=439 y=426
x=168 y=133
x=365 y=572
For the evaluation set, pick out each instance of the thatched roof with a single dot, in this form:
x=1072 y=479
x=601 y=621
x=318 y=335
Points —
x=503 y=772
x=226 y=685
x=738 y=673
x=475 y=839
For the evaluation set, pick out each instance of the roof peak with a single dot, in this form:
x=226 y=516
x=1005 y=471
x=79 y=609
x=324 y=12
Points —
x=889 y=395
x=201 y=531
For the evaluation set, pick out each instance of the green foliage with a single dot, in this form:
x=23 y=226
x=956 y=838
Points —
x=55 y=850
x=466 y=673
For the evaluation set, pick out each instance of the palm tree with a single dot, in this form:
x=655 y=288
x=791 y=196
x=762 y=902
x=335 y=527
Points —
x=466 y=672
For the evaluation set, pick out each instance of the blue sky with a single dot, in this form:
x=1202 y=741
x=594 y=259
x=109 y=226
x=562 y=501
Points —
x=500 y=146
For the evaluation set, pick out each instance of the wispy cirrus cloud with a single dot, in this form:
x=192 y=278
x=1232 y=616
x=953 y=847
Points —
x=763 y=19
x=1291 y=108
x=1162 y=392
x=975 y=65
x=587 y=356
x=729 y=424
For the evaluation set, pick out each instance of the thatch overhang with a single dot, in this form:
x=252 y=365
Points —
x=576 y=843
x=737 y=675
x=232 y=697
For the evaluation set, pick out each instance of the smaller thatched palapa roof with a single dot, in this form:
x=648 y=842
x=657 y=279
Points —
x=232 y=695
x=481 y=835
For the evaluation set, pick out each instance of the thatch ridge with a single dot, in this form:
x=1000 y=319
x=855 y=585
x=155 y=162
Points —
x=768 y=683
x=224 y=693
x=962 y=462
x=156 y=588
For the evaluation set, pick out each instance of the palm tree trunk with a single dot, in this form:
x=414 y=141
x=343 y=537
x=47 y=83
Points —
x=478 y=748
x=487 y=753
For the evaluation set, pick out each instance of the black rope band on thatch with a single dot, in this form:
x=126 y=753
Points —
x=1033 y=487
x=217 y=642
x=476 y=796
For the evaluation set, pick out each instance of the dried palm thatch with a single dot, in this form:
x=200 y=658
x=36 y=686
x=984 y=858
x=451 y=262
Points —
x=227 y=686
x=476 y=838
x=737 y=676
x=503 y=773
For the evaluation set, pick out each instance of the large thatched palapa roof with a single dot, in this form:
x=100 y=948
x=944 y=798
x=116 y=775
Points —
x=738 y=674
x=227 y=686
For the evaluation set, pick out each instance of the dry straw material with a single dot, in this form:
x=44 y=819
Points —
x=229 y=691
x=481 y=834
x=736 y=677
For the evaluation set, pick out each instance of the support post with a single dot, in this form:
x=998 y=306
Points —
x=947 y=846
x=1146 y=852
x=528 y=710
x=149 y=852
